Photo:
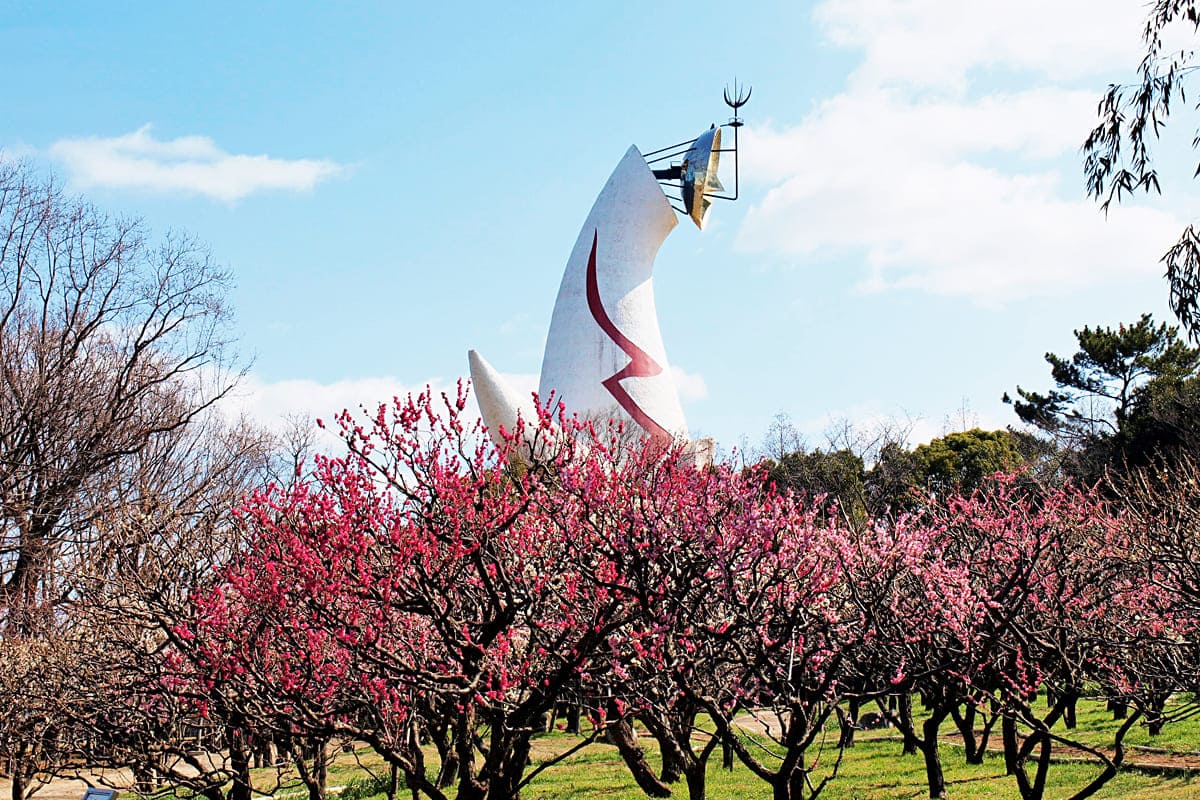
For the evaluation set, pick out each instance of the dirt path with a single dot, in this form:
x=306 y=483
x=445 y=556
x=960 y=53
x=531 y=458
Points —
x=71 y=788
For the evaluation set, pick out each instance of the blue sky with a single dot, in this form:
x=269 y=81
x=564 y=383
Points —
x=391 y=185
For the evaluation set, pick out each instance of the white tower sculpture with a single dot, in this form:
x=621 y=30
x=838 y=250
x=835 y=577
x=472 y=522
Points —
x=604 y=354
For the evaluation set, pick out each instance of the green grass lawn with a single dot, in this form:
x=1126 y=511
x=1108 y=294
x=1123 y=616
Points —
x=874 y=769
x=871 y=770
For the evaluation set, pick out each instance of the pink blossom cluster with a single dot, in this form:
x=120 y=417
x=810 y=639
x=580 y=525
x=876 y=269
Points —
x=430 y=587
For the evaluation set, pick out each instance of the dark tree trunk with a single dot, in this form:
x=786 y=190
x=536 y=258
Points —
x=143 y=780
x=309 y=758
x=965 y=722
x=696 y=782
x=989 y=726
x=1037 y=789
x=1016 y=755
x=448 y=773
x=573 y=716
x=672 y=729
x=1119 y=707
x=504 y=766
x=927 y=742
x=673 y=760
x=933 y=759
x=505 y=784
x=239 y=762
x=1154 y=713
x=316 y=789
x=1008 y=733
x=849 y=723
x=471 y=789
x=447 y=755
x=321 y=773
x=393 y=785
x=789 y=782
x=1043 y=769
x=906 y=724
x=621 y=735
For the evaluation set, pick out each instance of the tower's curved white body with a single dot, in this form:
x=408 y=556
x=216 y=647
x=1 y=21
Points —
x=604 y=353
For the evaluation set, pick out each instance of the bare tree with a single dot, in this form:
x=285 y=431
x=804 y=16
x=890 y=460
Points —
x=175 y=531
x=294 y=446
x=781 y=438
x=36 y=741
x=110 y=345
x=118 y=475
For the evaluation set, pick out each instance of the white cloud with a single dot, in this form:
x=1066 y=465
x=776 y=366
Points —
x=938 y=43
x=273 y=404
x=945 y=192
x=276 y=405
x=189 y=163
x=889 y=125
x=690 y=385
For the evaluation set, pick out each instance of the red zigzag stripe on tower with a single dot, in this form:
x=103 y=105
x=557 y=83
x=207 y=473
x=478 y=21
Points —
x=640 y=365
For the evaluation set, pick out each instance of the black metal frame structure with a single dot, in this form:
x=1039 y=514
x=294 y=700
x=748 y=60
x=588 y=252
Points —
x=671 y=177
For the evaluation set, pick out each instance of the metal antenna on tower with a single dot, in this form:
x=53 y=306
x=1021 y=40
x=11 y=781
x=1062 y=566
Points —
x=695 y=178
x=737 y=101
x=741 y=95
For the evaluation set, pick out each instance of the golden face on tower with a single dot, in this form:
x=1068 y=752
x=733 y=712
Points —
x=700 y=174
